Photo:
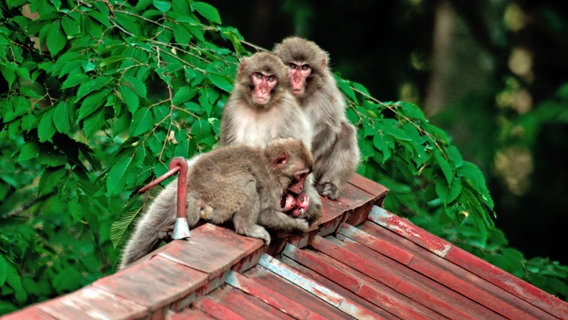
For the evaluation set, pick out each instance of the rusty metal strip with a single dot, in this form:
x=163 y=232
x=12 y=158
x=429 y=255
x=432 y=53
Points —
x=323 y=293
x=270 y=297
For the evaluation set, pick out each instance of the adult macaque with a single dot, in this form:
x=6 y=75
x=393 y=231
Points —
x=334 y=143
x=261 y=109
x=236 y=183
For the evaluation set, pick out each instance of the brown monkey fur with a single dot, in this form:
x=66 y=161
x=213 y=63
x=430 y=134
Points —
x=334 y=143
x=235 y=183
x=244 y=121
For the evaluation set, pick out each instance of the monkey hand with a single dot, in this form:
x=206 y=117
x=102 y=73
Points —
x=258 y=232
x=328 y=190
x=302 y=225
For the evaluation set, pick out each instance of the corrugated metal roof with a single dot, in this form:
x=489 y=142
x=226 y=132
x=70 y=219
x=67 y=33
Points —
x=361 y=262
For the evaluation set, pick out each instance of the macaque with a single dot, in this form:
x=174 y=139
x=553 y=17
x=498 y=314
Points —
x=261 y=109
x=334 y=141
x=239 y=184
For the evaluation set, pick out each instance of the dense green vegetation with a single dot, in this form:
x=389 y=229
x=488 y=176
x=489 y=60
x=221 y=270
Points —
x=99 y=97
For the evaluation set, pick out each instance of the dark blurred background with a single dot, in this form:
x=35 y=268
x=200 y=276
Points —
x=494 y=74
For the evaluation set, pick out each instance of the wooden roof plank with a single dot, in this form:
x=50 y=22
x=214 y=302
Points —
x=397 y=276
x=458 y=278
x=268 y=279
x=339 y=274
x=245 y=305
x=217 y=310
x=271 y=297
x=473 y=264
x=189 y=314
x=378 y=191
x=213 y=249
x=30 y=313
x=92 y=303
x=346 y=305
x=156 y=283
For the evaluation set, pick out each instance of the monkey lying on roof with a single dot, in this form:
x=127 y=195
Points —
x=235 y=183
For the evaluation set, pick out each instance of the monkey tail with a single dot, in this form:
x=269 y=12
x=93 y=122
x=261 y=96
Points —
x=156 y=225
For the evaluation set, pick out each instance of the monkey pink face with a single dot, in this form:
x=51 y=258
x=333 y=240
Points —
x=297 y=184
x=263 y=85
x=298 y=72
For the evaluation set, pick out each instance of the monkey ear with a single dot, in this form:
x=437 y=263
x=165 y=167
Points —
x=323 y=63
x=281 y=159
x=241 y=66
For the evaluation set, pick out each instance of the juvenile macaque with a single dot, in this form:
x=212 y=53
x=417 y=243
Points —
x=334 y=141
x=239 y=184
x=261 y=109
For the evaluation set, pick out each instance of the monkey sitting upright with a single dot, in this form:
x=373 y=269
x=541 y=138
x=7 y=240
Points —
x=261 y=109
x=235 y=183
x=334 y=142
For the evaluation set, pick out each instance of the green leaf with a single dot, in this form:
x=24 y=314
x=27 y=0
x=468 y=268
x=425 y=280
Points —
x=8 y=70
x=63 y=116
x=181 y=34
x=67 y=279
x=345 y=88
x=411 y=110
x=116 y=177
x=182 y=95
x=142 y=122
x=14 y=281
x=92 y=103
x=384 y=144
x=55 y=39
x=92 y=85
x=163 y=6
x=130 y=98
x=74 y=79
x=119 y=228
x=3 y=270
x=208 y=11
x=28 y=151
x=137 y=85
x=201 y=129
x=50 y=179
x=45 y=128
x=221 y=81
x=94 y=122
x=444 y=166
x=70 y=26
x=128 y=22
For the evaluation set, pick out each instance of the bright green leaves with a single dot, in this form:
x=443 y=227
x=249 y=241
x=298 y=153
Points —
x=118 y=174
x=142 y=122
x=55 y=38
x=207 y=11
x=162 y=6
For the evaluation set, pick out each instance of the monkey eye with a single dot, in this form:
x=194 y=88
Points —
x=271 y=79
x=306 y=67
x=258 y=75
x=292 y=66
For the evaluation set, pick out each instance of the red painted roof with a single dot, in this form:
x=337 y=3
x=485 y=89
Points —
x=360 y=262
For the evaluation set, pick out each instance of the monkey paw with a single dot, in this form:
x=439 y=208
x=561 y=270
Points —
x=206 y=213
x=328 y=190
x=302 y=225
x=259 y=233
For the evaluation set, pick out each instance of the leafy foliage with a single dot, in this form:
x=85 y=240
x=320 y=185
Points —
x=102 y=95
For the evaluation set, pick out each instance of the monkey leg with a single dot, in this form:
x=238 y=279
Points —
x=315 y=207
x=334 y=169
x=278 y=220
x=245 y=219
